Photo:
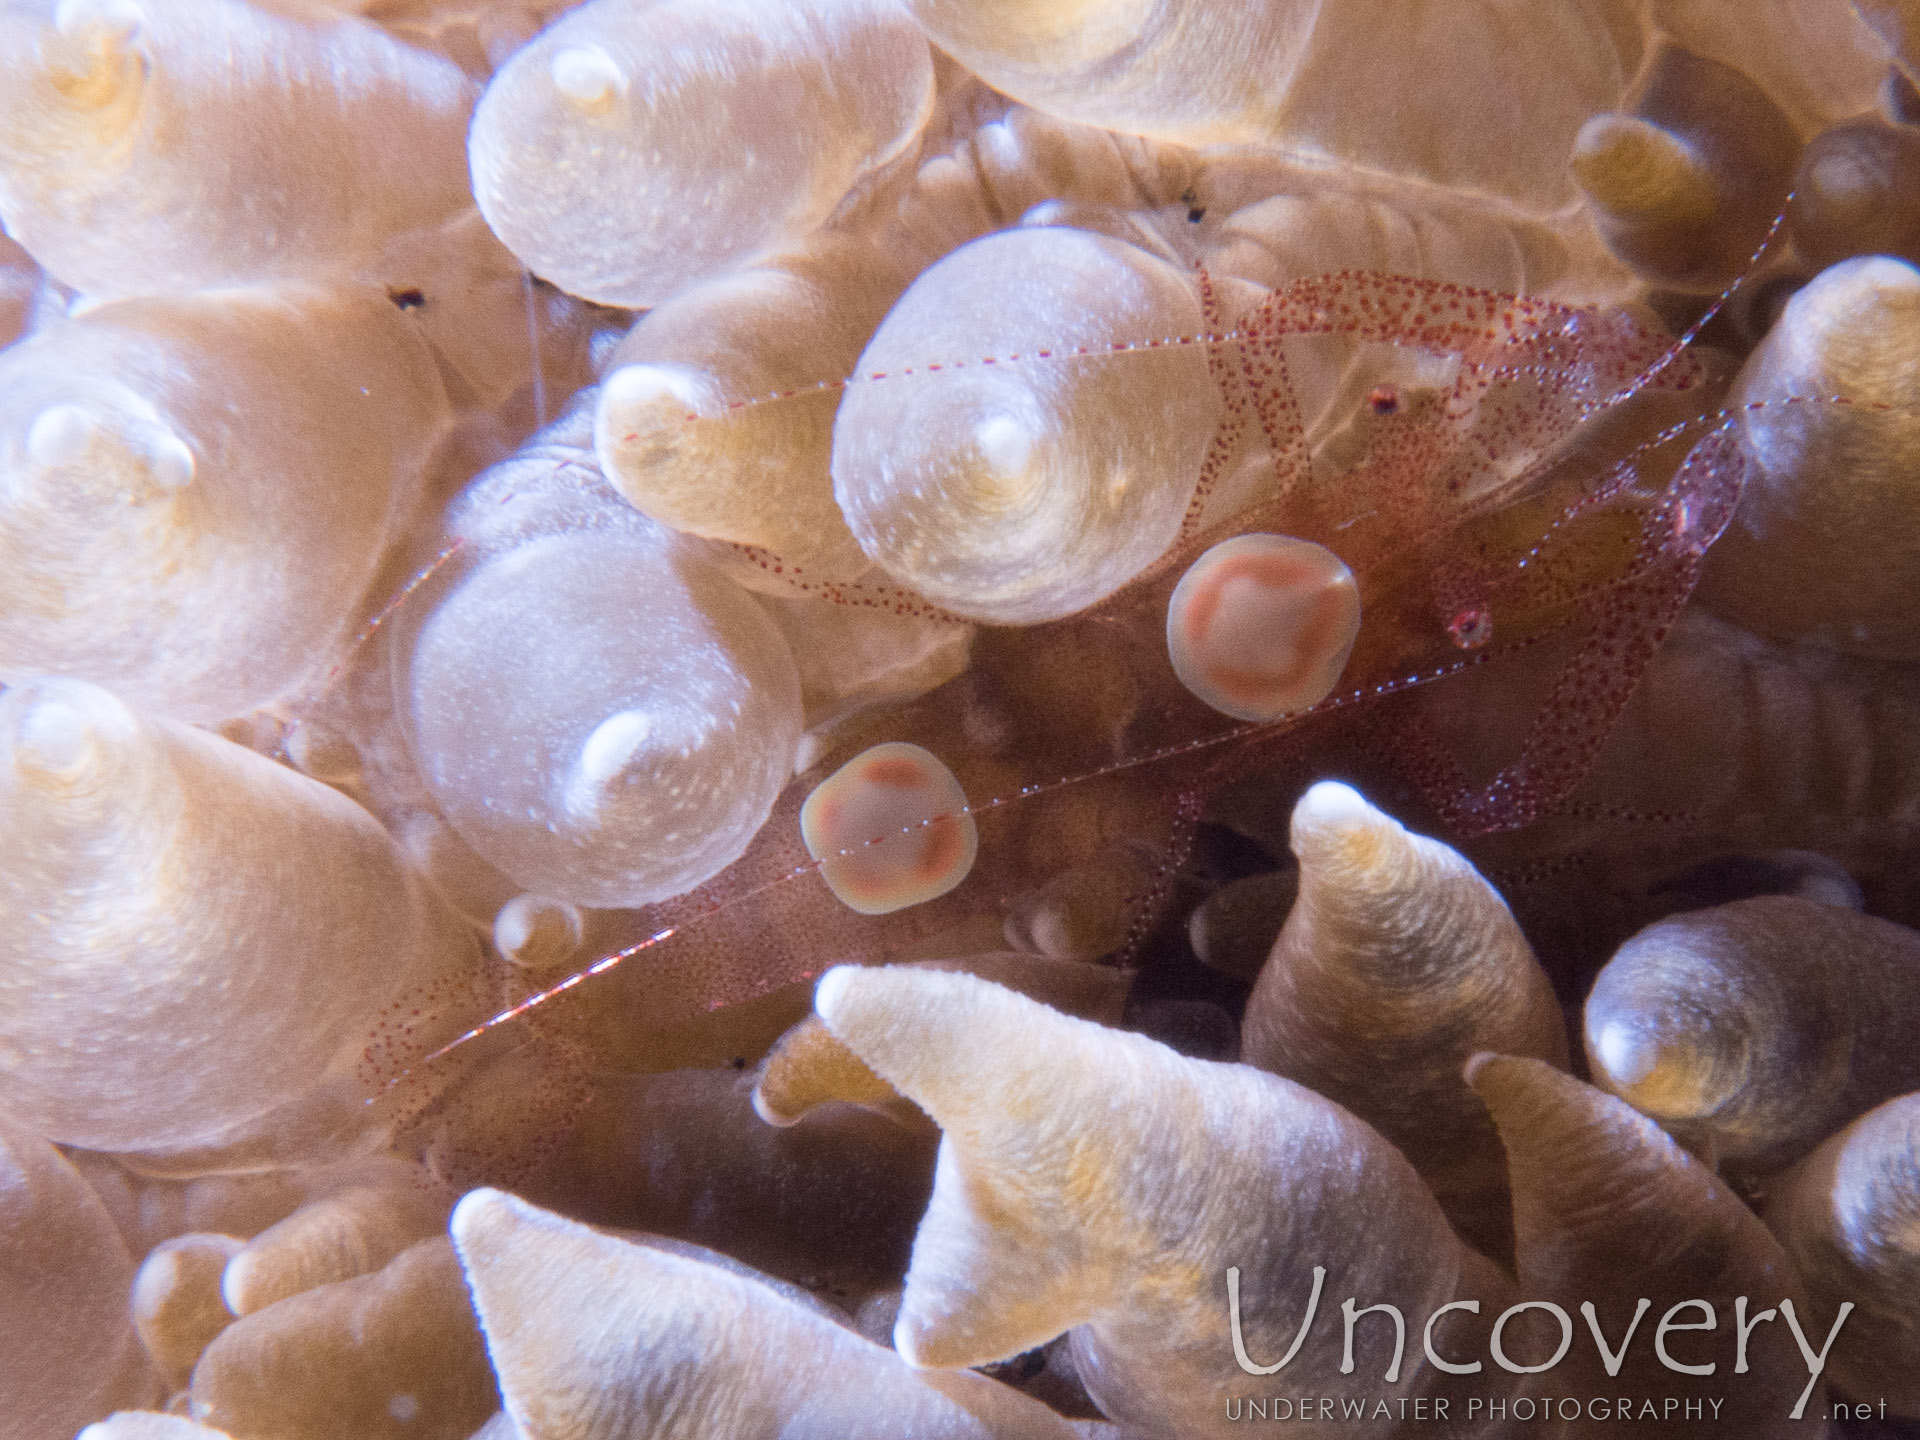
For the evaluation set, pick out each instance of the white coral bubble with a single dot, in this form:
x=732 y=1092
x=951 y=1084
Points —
x=634 y=148
x=1011 y=466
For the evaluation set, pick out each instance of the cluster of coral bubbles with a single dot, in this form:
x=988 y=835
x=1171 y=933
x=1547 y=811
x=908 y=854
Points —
x=670 y=670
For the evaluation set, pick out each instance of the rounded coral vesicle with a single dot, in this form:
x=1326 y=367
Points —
x=196 y=490
x=634 y=148
x=603 y=715
x=154 y=146
x=1857 y=192
x=193 y=936
x=1684 y=186
x=1292 y=77
x=1011 y=466
x=647 y=712
x=1825 y=545
x=1755 y=1029
x=678 y=430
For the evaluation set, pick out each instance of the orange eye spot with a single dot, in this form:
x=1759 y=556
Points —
x=890 y=829
x=1261 y=625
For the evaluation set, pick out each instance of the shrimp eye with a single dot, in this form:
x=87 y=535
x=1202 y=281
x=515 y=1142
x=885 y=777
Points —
x=1384 y=400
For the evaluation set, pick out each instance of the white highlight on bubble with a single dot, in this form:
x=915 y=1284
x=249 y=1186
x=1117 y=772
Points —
x=170 y=462
x=607 y=751
x=60 y=435
x=120 y=20
x=53 y=738
x=1620 y=1049
x=587 y=76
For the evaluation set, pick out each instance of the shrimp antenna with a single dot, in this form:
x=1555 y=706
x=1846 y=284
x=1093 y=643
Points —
x=1692 y=332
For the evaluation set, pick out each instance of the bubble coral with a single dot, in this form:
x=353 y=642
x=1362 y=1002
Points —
x=150 y=1425
x=1396 y=963
x=1015 y=493
x=652 y=1342
x=387 y=1355
x=64 y=1312
x=1388 y=329
x=199 y=489
x=176 y=1302
x=1685 y=184
x=1823 y=545
x=762 y=480
x=1092 y=1178
x=1715 y=1023
x=160 y=147
x=1847 y=1215
x=1284 y=74
x=1853 y=193
x=652 y=722
x=611 y=156
x=172 y=894
x=1606 y=1208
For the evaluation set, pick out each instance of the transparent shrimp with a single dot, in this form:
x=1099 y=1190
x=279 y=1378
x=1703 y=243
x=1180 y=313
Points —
x=1475 y=532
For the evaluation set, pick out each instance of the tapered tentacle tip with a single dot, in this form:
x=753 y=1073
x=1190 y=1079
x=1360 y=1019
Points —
x=811 y=1065
x=483 y=1218
x=879 y=1010
x=1670 y=1070
x=568 y=1368
x=1482 y=1066
x=596 y=1338
x=58 y=730
x=1396 y=964
x=1685 y=181
x=837 y=998
x=587 y=78
x=644 y=402
x=1330 y=805
x=1062 y=1192
x=1632 y=167
x=1334 y=825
